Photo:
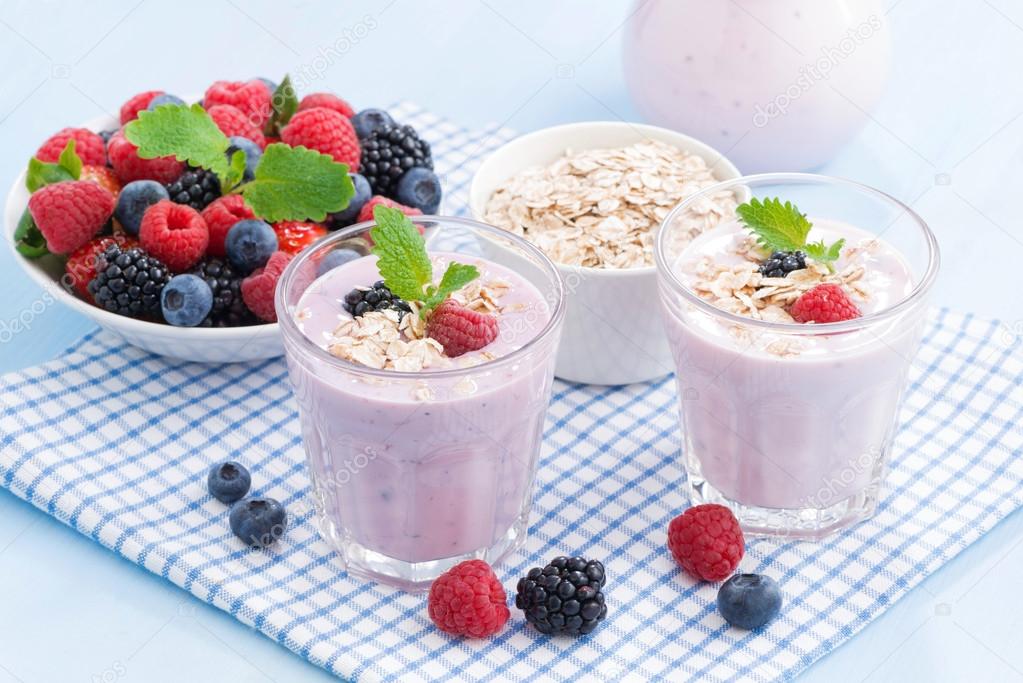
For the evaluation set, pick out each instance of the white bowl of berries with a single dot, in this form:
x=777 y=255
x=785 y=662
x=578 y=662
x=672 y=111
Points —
x=170 y=225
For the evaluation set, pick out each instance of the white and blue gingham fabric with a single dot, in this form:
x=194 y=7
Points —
x=116 y=443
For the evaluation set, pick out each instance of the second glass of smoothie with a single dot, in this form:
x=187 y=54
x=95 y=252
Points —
x=791 y=423
x=415 y=468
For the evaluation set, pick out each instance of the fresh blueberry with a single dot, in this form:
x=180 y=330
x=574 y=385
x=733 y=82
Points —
x=258 y=521
x=268 y=83
x=134 y=199
x=249 y=244
x=252 y=154
x=419 y=188
x=369 y=120
x=164 y=99
x=186 y=300
x=336 y=258
x=749 y=600
x=228 y=481
x=347 y=215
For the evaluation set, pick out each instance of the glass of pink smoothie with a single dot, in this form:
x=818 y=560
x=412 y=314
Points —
x=415 y=469
x=791 y=423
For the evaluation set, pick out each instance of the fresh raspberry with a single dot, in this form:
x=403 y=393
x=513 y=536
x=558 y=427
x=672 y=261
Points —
x=220 y=216
x=251 y=97
x=81 y=264
x=459 y=329
x=233 y=121
x=326 y=99
x=70 y=213
x=89 y=146
x=827 y=303
x=707 y=541
x=468 y=600
x=124 y=157
x=130 y=109
x=258 y=288
x=366 y=212
x=294 y=236
x=175 y=234
x=327 y=132
x=102 y=176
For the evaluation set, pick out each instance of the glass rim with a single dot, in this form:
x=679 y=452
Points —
x=667 y=275
x=290 y=329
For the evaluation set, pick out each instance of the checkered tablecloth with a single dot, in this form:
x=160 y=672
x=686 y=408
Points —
x=116 y=443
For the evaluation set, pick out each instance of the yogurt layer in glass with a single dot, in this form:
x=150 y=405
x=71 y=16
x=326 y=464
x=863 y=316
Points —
x=791 y=424
x=417 y=467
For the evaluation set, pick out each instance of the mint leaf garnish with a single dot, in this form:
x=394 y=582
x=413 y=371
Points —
x=779 y=227
x=188 y=134
x=401 y=254
x=28 y=240
x=818 y=251
x=283 y=105
x=406 y=267
x=295 y=183
x=291 y=183
x=68 y=167
x=457 y=275
x=783 y=227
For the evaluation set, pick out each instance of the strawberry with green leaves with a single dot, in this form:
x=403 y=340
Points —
x=783 y=230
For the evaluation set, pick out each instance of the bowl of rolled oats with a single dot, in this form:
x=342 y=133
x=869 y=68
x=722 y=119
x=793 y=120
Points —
x=592 y=196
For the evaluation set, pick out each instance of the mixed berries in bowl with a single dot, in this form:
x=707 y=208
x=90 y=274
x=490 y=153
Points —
x=171 y=224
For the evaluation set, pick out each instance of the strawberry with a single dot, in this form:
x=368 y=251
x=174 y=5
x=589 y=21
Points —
x=294 y=236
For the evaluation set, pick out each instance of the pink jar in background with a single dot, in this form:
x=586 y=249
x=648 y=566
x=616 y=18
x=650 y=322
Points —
x=776 y=85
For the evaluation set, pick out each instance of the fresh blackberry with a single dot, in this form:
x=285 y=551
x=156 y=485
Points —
x=376 y=298
x=129 y=282
x=196 y=187
x=563 y=597
x=781 y=263
x=390 y=151
x=228 y=308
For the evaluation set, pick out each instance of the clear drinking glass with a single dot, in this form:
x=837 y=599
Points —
x=414 y=472
x=791 y=425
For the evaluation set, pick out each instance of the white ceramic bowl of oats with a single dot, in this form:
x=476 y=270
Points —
x=592 y=195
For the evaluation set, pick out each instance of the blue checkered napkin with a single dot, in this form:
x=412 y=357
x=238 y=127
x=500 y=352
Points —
x=115 y=443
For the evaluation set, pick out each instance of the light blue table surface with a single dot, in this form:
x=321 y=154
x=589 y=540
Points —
x=72 y=611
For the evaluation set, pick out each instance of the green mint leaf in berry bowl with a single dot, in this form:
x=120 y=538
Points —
x=295 y=183
x=67 y=167
x=184 y=132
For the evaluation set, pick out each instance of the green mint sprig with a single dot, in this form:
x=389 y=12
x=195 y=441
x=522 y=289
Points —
x=406 y=267
x=290 y=183
x=28 y=240
x=186 y=133
x=283 y=105
x=782 y=227
x=67 y=167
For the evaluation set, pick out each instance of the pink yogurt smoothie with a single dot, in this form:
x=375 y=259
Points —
x=420 y=467
x=793 y=431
